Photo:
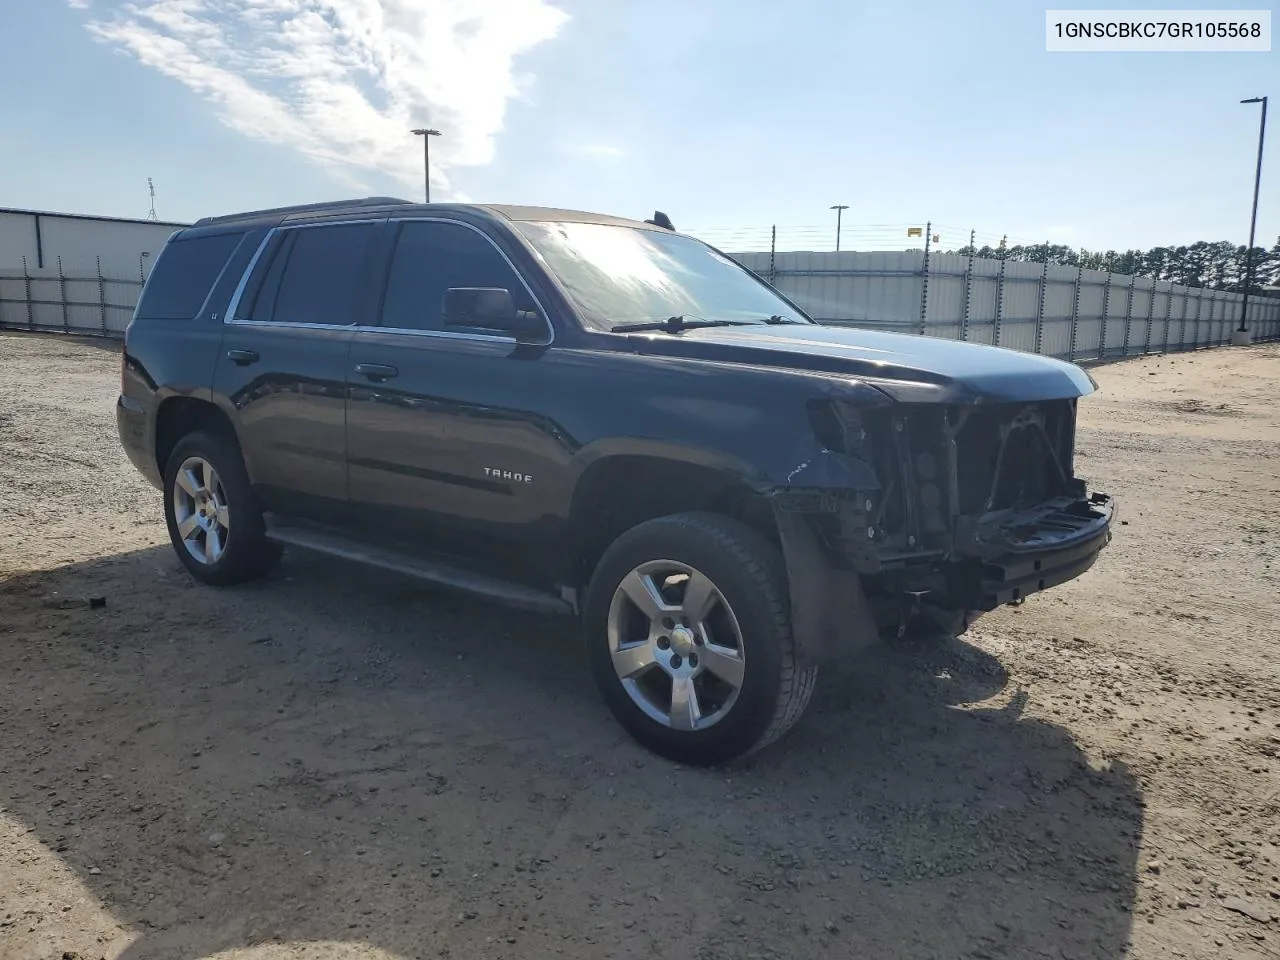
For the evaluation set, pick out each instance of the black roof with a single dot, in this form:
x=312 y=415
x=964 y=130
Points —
x=281 y=213
x=556 y=213
x=370 y=205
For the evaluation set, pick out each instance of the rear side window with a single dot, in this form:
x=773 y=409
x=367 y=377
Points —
x=314 y=275
x=183 y=276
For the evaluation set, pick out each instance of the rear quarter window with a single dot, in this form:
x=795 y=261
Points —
x=185 y=272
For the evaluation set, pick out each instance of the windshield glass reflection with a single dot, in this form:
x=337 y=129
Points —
x=618 y=274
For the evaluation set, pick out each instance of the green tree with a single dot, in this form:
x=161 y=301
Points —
x=1219 y=265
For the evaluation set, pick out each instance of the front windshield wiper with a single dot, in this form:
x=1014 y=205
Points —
x=776 y=320
x=676 y=324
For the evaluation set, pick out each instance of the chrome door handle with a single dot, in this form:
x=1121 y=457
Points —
x=377 y=372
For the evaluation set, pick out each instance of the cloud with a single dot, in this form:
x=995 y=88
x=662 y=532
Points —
x=343 y=81
x=602 y=150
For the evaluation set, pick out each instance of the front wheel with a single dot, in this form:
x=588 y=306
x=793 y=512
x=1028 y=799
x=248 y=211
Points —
x=214 y=521
x=689 y=638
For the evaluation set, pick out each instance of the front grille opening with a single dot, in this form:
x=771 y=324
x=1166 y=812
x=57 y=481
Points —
x=1036 y=461
x=1028 y=473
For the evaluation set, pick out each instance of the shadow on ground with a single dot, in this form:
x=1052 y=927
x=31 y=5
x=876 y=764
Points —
x=335 y=755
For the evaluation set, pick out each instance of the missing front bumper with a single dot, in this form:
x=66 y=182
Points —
x=1023 y=554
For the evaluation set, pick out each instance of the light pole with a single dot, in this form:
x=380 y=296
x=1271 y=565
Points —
x=426 y=135
x=839 y=208
x=1253 y=222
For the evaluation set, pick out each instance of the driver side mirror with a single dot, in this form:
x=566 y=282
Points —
x=491 y=308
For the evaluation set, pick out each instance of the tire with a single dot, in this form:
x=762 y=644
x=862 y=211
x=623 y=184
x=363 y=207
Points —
x=742 y=633
x=217 y=531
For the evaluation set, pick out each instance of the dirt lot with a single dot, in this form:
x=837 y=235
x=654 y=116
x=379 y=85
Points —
x=338 y=763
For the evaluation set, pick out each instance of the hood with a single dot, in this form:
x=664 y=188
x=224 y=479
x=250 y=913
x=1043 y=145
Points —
x=906 y=367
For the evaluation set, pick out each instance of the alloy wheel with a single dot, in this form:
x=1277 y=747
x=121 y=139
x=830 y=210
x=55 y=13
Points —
x=676 y=645
x=200 y=510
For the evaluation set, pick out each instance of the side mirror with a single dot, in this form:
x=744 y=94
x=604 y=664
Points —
x=490 y=308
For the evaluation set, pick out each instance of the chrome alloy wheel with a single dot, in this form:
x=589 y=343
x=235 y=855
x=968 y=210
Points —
x=676 y=645
x=200 y=510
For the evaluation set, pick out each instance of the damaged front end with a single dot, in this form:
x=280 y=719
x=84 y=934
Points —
x=942 y=511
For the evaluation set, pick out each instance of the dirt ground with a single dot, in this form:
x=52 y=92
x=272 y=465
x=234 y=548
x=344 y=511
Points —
x=337 y=763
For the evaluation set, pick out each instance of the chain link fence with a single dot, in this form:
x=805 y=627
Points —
x=1052 y=309
x=81 y=302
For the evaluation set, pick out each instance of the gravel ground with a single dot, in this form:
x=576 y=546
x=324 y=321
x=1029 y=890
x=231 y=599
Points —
x=339 y=763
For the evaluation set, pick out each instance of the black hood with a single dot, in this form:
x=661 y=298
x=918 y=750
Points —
x=907 y=367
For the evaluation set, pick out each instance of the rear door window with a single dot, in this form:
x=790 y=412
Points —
x=314 y=275
x=184 y=274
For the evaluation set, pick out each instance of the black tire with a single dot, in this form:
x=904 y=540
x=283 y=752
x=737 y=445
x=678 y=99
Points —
x=749 y=574
x=247 y=553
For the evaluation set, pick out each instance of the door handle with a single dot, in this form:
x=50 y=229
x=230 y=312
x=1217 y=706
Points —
x=242 y=357
x=377 y=372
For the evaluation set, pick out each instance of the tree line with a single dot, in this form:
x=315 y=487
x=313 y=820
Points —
x=1216 y=266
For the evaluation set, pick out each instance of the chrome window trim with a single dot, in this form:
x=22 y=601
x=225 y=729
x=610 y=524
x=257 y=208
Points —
x=446 y=335
x=234 y=305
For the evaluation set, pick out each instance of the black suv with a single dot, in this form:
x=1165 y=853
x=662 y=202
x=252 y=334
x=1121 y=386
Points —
x=600 y=417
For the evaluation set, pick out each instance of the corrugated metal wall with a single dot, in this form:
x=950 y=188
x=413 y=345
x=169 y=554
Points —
x=1054 y=309
x=74 y=274
x=120 y=248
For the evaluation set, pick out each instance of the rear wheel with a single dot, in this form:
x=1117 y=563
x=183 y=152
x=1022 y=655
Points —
x=213 y=518
x=689 y=638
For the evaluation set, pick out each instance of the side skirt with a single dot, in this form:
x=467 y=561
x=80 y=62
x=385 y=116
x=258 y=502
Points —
x=440 y=571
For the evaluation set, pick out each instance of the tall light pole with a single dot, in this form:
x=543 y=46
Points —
x=839 y=208
x=426 y=136
x=1253 y=219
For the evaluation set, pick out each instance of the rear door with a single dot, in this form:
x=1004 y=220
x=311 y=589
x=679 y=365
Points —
x=283 y=363
x=446 y=448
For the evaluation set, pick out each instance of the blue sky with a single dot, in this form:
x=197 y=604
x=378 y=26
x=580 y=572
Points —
x=727 y=115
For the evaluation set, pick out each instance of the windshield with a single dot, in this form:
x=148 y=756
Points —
x=617 y=275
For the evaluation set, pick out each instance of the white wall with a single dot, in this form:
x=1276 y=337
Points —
x=80 y=242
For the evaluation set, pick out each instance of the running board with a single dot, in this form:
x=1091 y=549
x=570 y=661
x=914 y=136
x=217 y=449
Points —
x=435 y=571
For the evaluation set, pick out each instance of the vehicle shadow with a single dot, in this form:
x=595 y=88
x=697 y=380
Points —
x=335 y=755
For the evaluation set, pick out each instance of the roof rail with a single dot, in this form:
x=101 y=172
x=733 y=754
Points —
x=302 y=208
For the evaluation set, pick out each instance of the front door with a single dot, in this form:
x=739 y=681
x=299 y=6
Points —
x=446 y=451
x=284 y=360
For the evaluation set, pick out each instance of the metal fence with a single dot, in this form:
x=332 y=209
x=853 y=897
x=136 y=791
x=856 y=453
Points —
x=49 y=299
x=1057 y=310
x=1060 y=311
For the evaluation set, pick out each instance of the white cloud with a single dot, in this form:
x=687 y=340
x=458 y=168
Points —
x=343 y=81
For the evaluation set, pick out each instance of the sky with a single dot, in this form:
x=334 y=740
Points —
x=729 y=115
